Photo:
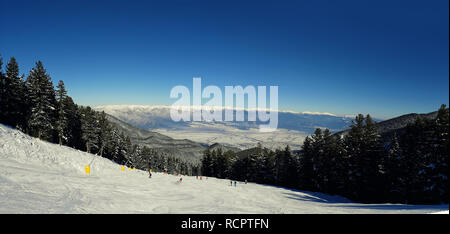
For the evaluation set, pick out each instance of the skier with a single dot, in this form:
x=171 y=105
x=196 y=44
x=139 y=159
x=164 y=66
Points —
x=149 y=174
x=181 y=180
x=231 y=183
x=245 y=181
x=234 y=183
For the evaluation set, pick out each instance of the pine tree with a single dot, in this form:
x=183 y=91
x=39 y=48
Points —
x=394 y=171
x=437 y=161
x=104 y=134
x=73 y=131
x=369 y=161
x=416 y=143
x=268 y=167
x=306 y=170
x=331 y=164
x=116 y=147
x=13 y=96
x=61 y=122
x=317 y=152
x=363 y=147
x=3 y=103
x=222 y=164
x=289 y=175
x=43 y=102
x=207 y=163
x=89 y=129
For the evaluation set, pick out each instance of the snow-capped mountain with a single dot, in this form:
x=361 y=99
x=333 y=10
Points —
x=293 y=127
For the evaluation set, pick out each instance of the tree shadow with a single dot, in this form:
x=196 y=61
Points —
x=316 y=197
x=338 y=201
x=396 y=207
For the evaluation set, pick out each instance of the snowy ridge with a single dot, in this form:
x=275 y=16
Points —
x=40 y=177
x=150 y=107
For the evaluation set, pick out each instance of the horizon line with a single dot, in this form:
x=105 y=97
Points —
x=228 y=107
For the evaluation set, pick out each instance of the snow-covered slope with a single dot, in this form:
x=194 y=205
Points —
x=39 y=177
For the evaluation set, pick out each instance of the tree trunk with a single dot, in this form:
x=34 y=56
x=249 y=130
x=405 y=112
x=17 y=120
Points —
x=87 y=147
x=101 y=151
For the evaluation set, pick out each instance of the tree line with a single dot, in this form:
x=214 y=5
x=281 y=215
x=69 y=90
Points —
x=411 y=168
x=37 y=108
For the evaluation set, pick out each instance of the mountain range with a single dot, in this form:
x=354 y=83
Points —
x=293 y=127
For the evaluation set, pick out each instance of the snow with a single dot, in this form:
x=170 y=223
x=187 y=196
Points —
x=230 y=136
x=441 y=212
x=39 y=177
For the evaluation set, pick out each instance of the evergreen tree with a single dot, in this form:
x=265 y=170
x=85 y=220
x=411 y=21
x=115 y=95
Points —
x=90 y=129
x=73 y=131
x=416 y=142
x=306 y=170
x=394 y=171
x=288 y=176
x=331 y=169
x=437 y=162
x=268 y=167
x=13 y=97
x=222 y=164
x=3 y=103
x=207 y=163
x=43 y=102
x=61 y=122
x=364 y=151
x=104 y=133
x=116 y=148
x=317 y=152
x=369 y=161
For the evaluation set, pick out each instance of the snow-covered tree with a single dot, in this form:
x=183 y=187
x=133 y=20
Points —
x=42 y=101
x=61 y=121
x=13 y=97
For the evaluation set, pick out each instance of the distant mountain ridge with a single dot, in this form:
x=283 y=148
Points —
x=387 y=128
x=293 y=127
x=154 y=117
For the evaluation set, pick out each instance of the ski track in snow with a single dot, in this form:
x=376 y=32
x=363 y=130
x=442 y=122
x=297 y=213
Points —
x=39 y=177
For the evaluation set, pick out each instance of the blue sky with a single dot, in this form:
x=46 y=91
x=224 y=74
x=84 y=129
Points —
x=385 y=58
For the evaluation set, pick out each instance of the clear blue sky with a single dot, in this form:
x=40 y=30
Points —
x=385 y=58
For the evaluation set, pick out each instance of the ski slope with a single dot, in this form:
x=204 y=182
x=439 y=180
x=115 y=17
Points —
x=39 y=177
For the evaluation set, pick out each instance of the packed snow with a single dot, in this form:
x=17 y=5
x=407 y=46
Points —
x=40 y=177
